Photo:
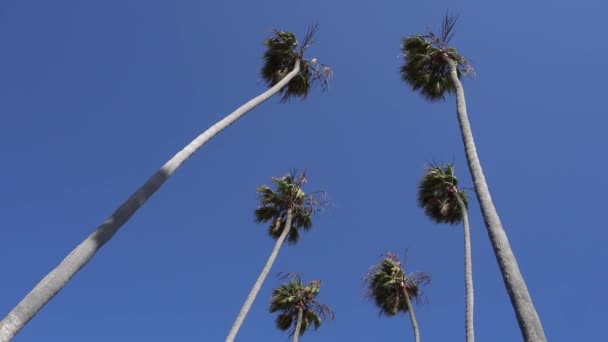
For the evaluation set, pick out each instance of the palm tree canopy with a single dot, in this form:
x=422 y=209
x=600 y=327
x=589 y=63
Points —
x=288 y=195
x=385 y=282
x=426 y=68
x=437 y=193
x=288 y=298
x=282 y=52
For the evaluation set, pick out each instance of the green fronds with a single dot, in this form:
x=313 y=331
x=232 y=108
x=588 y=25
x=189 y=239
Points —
x=426 y=68
x=282 y=52
x=274 y=205
x=292 y=296
x=437 y=194
x=386 y=282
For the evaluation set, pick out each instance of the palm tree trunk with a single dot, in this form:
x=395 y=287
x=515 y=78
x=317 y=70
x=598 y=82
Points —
x=258 y=283
x=410 y=310
x=529 y=322
x=468 y=273
x=53 y=282
x=296 y=333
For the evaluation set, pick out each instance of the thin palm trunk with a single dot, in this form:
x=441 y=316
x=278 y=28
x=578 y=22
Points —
x=468 y=273
x=258 y=283
x=529 y=322
x=410 y=310
x=296 y=333
x=53 y=282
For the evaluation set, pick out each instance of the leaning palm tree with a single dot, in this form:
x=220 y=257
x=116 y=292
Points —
x=393 y=290
x=435 y=69
x=296 y=304
x=443 y=202
x=288 y=209
x=285 y=71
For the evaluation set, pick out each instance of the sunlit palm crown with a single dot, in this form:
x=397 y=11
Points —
x=289 y=194
x=290 y=297
x=282 y=51
x=426 y=68
x=385 y=283
x=437 y=193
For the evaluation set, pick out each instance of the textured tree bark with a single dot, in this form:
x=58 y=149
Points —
x=53 y=282
x=468 y=274
x=258 y=283
x=527 y=318
x=296 y=333
x=410 y=310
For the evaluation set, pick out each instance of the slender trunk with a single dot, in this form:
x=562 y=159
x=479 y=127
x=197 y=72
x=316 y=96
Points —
x=258 y=283
x=53 y=282
x=527 y=318
x=410 y=310
x=468 y=274
x=296 y=333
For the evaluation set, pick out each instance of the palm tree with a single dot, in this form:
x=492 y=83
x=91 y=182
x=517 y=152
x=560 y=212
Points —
x=288 y=209
x=393 y=290
x=434 y=68
x=297 y=305
x=285 y=71
x=443 y=202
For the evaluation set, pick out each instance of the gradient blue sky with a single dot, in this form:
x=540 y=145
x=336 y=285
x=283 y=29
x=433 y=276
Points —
x=95 y=96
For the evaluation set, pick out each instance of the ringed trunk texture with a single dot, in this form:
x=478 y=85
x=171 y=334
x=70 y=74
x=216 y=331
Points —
x=54 y=281
x=410 y=310
x=258 y=283
x=468 y=274
x=527 y=318
x=296 y=333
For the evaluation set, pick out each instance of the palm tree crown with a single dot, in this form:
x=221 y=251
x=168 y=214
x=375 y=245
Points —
x=426 y=67
x=437 y=193
x=274 y=206
x=293 y=296
x=282 y=52
x=386 y=282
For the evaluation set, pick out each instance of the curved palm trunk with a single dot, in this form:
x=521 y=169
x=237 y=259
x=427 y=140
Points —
x=410 y=310
x=529 y=322
x=468 y=274
x=296 y=333
x=53 y=282
x=258 y=283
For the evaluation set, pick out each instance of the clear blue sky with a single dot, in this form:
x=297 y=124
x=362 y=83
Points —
x=96 y=96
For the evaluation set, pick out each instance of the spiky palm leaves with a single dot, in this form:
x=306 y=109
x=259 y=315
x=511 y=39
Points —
x=291 y=298
x=437 y=195
x=282 y=53
x=426 y=67
x=386 y=282
x=274 y=206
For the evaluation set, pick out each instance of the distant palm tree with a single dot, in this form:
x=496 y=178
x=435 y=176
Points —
x=393 y=290
x=288 y=209
x=285 y=71
x=434 y=69
x=296 y=304
x=443 y=202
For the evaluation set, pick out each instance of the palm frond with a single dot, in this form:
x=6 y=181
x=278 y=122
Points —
x=438 y=194
x=386 y=281
x=426 y=68
x=282 y=52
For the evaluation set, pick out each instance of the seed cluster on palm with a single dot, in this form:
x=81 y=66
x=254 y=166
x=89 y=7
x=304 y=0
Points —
x=294 y=299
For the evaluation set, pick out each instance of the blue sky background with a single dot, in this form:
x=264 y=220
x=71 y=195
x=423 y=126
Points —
x=96 y=96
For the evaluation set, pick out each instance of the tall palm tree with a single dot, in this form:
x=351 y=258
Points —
x=393 y=290
x=434 y=69
x=296 y=304
x=443 y=202
x=285 y=71
x=288 y=209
